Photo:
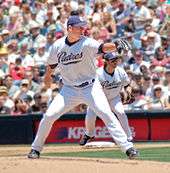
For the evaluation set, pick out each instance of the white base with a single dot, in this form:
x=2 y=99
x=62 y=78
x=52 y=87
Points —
x=99 y=144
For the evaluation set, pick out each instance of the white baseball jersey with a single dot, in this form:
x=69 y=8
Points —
x=77 y=62
x=112 y=84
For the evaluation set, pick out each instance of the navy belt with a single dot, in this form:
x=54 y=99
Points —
x=84 y=84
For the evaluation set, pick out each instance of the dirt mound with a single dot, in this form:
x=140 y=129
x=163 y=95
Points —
x=13 y=160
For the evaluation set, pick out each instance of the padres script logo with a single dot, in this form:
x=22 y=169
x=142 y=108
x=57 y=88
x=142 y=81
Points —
x=65 y=59
x=107 y=85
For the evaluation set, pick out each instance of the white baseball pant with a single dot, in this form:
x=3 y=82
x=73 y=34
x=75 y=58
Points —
x=70 y=97
x=116 y=107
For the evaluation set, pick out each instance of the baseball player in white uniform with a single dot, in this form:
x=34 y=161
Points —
x=75 y=56
x=113 y=79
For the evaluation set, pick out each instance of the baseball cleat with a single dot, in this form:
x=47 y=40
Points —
x=132 y=153
x=85 y=139
x=33 y=154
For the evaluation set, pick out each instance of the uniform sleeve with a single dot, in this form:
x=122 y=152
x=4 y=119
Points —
x=93 y=47
x=53 y=59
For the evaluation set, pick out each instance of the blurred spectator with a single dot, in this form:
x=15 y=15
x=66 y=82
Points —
x=154 y=39
x=156 y=80
x=136 y=44
x=109 y=23
x=17 y=71
x=15 y=22
x=4 y=109
x=140 y=103
x=100 y=32
x=3 y=61
x=43 y=107
x=138 y=56
x=5 y=34
x=37 y=75
x=24 y=90
x=113 y=8
x=13 y=51
x=50 y=40
x=8 y=82
x=20 y=107
x=146 y=83
x=37 y=101
x=160 y=58
x=20 y=36
x=158 y=100
x=122 y=17
x=33 y=85
x=35 y=37
x=8 y=101
x=167 y=79
x=40 y=58
x=141 y=15
x=26 y=59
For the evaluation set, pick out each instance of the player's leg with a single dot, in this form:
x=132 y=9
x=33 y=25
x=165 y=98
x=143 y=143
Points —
x=97 y=101
x=117 y=107
x=62 y=103
x=90 y=121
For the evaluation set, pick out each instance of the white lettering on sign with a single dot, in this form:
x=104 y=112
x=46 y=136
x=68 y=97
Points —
x=132 y=129
x=77 y=132
x=102 y=132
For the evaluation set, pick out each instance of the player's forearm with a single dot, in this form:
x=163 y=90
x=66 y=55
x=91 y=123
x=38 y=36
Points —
x=47 y=77
x=108 y=47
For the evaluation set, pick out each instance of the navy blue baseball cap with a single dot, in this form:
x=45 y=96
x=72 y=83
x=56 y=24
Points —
x=76 y=21
x=111 y=56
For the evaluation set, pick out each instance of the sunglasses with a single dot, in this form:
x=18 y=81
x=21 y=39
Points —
x=112 y=60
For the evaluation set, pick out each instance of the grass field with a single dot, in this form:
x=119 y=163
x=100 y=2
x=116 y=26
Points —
x=154 y=154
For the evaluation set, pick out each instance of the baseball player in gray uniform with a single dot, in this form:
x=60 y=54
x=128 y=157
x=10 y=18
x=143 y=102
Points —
x=75 y=56
x=113 y=79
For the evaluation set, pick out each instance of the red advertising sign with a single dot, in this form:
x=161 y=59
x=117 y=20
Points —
x=160 y=129
x=71 y=131
x=139 y=128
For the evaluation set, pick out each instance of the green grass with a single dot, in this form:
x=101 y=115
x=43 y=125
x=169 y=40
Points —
x=153 y=154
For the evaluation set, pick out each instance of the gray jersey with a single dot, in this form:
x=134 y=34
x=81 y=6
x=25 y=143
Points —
x=76 y=62
x=112 y=84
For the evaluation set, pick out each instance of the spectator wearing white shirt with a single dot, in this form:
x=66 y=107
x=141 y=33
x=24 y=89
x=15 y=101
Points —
x=27 y=60
x=140 y=15
x=138 y=56
x=40 y=58
x=158 y=101
x=156 y=39
x=35 y=36
x=13 y=48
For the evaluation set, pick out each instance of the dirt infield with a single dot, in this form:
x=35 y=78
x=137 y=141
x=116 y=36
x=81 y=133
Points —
x=13 y=160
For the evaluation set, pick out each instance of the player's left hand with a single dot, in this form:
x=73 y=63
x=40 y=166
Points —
x=127 y=97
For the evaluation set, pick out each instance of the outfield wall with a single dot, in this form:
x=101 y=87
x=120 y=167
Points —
x=145 y=126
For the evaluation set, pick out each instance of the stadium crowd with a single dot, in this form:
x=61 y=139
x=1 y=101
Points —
x=28 y=28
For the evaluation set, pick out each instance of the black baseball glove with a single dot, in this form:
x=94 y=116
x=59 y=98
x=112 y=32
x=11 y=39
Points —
x=122 y=45
x=127 y=97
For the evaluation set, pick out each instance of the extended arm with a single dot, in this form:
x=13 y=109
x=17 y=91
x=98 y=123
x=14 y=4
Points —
x=47 y=76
